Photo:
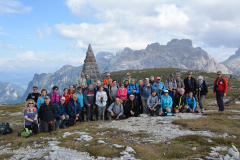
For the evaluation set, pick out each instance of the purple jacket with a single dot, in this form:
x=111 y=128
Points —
x=55 y=97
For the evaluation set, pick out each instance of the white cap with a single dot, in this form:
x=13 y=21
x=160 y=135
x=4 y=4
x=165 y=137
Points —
x=63 y=98
x=131 y=95
x=146 y=78
x=166 y=91
x=128 y=73
x=108 y=74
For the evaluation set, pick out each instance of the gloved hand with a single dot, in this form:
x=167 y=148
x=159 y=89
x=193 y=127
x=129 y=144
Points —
x=34 y=121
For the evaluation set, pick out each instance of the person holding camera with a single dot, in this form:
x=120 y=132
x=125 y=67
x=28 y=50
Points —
x=101 y=99
x=171 y=86
x=30 y=116
x=190 y=84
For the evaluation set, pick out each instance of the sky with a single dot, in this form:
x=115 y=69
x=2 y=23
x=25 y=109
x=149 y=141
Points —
x=41 y=36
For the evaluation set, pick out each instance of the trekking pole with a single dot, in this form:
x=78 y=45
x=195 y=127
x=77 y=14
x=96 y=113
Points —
x=102 y=111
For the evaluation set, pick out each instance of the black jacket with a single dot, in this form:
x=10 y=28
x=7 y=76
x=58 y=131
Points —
x=179 y=100
x=131 y=105
x=47 y=112
x=191 y=88
x=33 y=96
x=204 y=89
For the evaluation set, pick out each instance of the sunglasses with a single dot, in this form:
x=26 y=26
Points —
x=128 y=75
x=35 y=89
x=219 y=74
x=30 y=103
x=158 y=79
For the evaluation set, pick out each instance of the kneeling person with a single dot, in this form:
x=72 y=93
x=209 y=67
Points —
x=131 y=107
x=116 y=110
x=60 y=108
x=166 y=103
x=179 y=101
x=152 y=102
x=74 y=110
x=191 y=103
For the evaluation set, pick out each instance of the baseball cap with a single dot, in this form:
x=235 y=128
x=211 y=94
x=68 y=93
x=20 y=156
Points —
x=128 y=73
x=171 y=75
x=35 y=87
x=108 y=74
x=166 y=91
x=146 y=78
x=158 y=77
x=189 y=72
x=131 y=95
x=63 y=98
x=47 y=97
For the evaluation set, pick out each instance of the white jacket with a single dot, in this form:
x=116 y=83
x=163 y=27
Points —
x=98 y=98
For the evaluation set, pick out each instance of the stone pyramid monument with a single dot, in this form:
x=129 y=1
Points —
x=90 y=66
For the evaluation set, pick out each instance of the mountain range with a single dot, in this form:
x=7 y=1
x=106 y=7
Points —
x=233 y=62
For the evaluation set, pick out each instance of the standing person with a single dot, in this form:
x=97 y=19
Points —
x=159 y=87
x=61 y=113
x=84 y=88
x=180 y=83
x=41 y=98
x=106 y=80
x=81 y=80
x=133 y=88
x=101 y=99
x=113 y=92
x=152 y=102
x=166 y=103
x=30 y=116
x=171 y=86
x=131 y=107
x=128 y=78
x=126 y=83
x=140 y=83
x=180 y=101
x=34 y=95
x=220 y=90
x=71 y=90
x=202 y=91
x=96 y=88
x=55 y=97
x=89 y=101
x=115 y=110
x=89 y=81
x=74 y=110
x=65 y=95
x=122 y=93
x=190 y=84
x=47 y=115
x=191 y=103
x=80 y=100
x=146 y=90
x=151 y=81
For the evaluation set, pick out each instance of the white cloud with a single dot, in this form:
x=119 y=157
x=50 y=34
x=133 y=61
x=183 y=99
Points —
x=1 y=28
x=44 y=32
x=12 y=47
x=12 y=6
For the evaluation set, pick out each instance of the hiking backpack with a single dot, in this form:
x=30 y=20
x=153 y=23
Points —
x=25 y=133
x=5 y=128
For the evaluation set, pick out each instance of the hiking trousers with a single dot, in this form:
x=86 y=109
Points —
x=144 y=104
x=219 y=97
x=201 y=105
x=48 y=126
x=101 y=111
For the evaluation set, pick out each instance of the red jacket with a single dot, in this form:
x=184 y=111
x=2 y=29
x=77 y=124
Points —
x=122 y=93
x=67 y=98
x=222 y=85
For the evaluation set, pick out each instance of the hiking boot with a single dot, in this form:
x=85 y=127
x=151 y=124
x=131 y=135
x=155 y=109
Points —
x=202 y=110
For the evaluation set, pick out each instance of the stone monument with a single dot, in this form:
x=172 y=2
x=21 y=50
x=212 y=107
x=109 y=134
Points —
x=90 y=66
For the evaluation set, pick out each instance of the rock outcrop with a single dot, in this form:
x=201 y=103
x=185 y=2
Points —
x=10 y=93
x=233 y=62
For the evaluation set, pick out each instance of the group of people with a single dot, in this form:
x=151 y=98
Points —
x=48 y=112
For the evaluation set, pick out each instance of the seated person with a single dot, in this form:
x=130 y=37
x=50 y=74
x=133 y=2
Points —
x=115 y=110
x=47 y=115
x=131 y=107
x=179 y=101
x=30 y=115
x=74 y=110
x=152 y=102
x=60 y=109
x=166 y=103
x=191 y=103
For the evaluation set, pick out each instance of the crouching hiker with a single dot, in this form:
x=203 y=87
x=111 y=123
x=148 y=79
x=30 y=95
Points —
x=131 y=107
x=101 y=99
x=61 y=112
x=47 y=115
x=166 y=103
x=152 y=102
x=30 y=116
x=180 y=102
x=191 y=103
x=115 y=110
x=74 y=110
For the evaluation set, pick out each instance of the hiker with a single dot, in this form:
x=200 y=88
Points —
x=106 y=80
x=71 y=90
x=122 y=93
x=109 y=84
x=179 y=101
x=89 y=101
x=115 y=110
x=83 y=87
x=41 y=98
x=47 y=115
x=202 y=91
x=31 y=116
x=190 y=84
x=126 y=83
x=220 y=90
x=171 y=85
x=159 y=87
x=113 y=92
x=80 y=100
x=81 y=80
x=96 y=88
x=132 y=88
x=34 y=95
x=74 y=110
x=128 y=78
x=166 y=103
x=152 y=102
x=180 y=83
x=140 y=83
x=101 y=99
x=55 y=97
x=151 y=81
x=131 y=107
x=89 y=81
x=65 y=95
x=145 y=92
x=191 y=103
x=61 y=113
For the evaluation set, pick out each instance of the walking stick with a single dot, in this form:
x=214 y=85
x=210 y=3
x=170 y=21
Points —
x=102 y=111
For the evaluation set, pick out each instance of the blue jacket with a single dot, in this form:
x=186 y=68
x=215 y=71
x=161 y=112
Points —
x=146 y=90
x=191 y=103
x=72 y=110
x=40 y=101
x=80 y=99
x=162 y=86
x=132 y=87
x=166 y=102
x=89 y=81
x=60 y=110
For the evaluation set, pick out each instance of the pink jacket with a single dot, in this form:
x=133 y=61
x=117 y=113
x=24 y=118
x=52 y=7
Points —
x=122 y=93
x=55 y=97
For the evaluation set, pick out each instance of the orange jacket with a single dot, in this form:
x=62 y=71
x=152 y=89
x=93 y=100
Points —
x=222 y=85
x=106 y=80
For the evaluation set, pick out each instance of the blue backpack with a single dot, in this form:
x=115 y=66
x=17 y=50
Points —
x=5 y=128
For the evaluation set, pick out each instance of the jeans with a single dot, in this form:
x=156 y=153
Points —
x=63 y=122
x=89 y=112
x=171 y=94
x=219 y=97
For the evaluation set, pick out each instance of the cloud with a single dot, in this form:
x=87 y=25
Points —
x=12 y=6
x=1 y=28
x=44 y=32
x=12 y=47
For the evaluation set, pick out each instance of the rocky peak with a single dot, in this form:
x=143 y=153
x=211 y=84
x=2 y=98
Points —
x=180 y=43
x=237 y=54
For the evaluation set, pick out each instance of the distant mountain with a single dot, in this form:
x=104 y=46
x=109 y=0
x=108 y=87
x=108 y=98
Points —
x=233 y=62
x=176 y=54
